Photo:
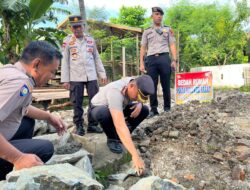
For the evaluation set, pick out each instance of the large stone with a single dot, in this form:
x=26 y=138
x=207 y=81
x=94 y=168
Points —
x=243 y=152
x=166 y=185
x=120 y=177
x=218 y=156
x=174 y=134
x=102 y=157
x=53 y=177
x=58 y=141
x=41 y=127
x=156 y=183
x=244 y=142
x=68 y=158
x=85 y=165
x=239 y=173
x=115 y=187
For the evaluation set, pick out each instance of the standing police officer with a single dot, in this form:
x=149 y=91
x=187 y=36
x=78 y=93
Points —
x=157 y=40
x=80 y=66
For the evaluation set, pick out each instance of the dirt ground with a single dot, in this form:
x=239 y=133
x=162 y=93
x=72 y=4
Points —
x=205 y=146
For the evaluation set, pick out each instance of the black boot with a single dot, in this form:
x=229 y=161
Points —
x=153 y=113
x=94 y=129
x=80 y=130
x=114 y=146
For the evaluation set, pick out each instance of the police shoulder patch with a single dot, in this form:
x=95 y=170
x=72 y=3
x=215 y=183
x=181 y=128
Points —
x=24 y=90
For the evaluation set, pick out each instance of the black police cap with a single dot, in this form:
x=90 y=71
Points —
x=145 y=85
x=157 y=9
x=75 y=20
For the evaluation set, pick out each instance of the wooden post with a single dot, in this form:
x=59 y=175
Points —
x=137 y=54
x=178 y=52
x=123 y=61
x=101 y=46
x=112 y=60
x=83 y=14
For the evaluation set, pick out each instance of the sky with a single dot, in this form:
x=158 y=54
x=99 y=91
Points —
x=112 y=6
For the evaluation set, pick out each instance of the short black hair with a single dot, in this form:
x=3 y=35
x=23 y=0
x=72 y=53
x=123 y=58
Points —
x=42 y=50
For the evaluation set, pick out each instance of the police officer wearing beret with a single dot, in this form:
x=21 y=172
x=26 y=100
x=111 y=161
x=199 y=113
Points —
x=38 y=64
x=158 y=41
x=119 y=109
x=81 y=66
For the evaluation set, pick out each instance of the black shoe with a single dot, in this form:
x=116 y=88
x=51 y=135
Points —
x=152 y=114
x=94 y=129
x=167 y=109
x=114 y=146
x=80 y=130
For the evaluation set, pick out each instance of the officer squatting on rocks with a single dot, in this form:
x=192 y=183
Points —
x=38 y=64
x=156 y=43
x=81 y=66
x=119 y=108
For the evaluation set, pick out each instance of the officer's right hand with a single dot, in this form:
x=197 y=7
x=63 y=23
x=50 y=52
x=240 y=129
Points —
x=142 y=68
x=66 y=85
x=104 y=80
x=27 y=161
x=138 y=165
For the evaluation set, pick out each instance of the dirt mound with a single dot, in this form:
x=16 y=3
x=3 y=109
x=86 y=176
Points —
x=201 y=145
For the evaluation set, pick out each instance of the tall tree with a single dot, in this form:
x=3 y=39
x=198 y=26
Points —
x=209 y=34
x=98 y=13
x=19 y=19
x=131 y=16
x=83 y=13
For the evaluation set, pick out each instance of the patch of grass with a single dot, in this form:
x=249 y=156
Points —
x=103 y=173
x=102 y=177
x=245 y=88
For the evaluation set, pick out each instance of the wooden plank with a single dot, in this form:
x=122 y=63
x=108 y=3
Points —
x=51 y=94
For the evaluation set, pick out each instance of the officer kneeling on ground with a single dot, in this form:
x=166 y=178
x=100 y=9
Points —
x=38 y=64
x=119 y=110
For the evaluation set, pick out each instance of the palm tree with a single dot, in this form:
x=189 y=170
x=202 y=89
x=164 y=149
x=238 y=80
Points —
x=83 y=14
x=18 y=18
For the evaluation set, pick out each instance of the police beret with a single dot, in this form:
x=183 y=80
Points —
x=75 y=20
x=145 y=86
x=157 y=9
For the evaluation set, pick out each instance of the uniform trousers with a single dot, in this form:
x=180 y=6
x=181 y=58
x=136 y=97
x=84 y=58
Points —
x=102 y=115
x=76 y=97
x=160 y=66
x=23 y=141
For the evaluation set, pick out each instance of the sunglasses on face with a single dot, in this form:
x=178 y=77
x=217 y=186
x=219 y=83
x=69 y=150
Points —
x=77 y=26
x=141 y=97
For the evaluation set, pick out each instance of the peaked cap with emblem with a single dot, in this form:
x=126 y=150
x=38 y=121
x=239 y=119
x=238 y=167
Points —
x=145 y=86
x=75 y=20
x=157 y=9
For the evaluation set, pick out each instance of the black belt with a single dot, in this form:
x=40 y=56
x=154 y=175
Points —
x=158 y=54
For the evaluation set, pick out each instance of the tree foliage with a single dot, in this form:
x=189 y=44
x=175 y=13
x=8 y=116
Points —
x=131 y=16
x=19 y=19
x=209 y=34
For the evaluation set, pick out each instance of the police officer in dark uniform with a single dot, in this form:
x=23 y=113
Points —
x=158 y=41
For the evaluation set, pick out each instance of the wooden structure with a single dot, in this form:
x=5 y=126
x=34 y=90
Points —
x=48 y=96
x=114 y=29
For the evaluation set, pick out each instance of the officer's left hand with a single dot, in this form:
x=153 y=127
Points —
x=104 y=80
x=137 y=109
x=58 y=124
x=173 y=65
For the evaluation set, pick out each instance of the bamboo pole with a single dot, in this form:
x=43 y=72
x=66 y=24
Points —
x=123 y=61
